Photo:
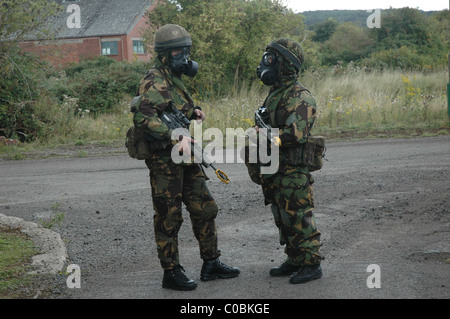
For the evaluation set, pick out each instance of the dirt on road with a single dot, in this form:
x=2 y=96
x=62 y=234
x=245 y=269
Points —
x=382 y=207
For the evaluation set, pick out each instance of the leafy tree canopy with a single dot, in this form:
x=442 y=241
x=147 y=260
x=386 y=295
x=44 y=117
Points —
x=229 y=36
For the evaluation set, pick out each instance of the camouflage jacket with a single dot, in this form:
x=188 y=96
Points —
x=292 y=109
x=160 y=91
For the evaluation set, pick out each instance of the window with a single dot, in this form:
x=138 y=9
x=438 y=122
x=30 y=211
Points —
x=138 y=47
x=110 y=48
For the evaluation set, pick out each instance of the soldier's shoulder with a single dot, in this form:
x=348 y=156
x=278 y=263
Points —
x=154 y=80
x=309 y=98
x=154 y=75
x=301 y=95
x=305 y=94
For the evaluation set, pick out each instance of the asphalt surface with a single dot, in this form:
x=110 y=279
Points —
x=378 y=202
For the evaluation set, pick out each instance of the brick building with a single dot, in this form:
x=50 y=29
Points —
x=90 y=28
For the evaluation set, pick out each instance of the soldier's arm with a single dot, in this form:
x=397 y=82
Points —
x=299 y=115
x=156 y=98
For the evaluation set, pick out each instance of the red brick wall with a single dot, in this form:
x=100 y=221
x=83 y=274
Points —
x=62 y=52
x=136 y=33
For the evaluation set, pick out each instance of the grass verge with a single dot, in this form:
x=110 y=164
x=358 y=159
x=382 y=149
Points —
x=16 y=250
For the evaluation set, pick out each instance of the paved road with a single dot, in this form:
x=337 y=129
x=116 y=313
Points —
x=380 y=202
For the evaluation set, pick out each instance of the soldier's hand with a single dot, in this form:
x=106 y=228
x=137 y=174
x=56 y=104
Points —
x=184 y=146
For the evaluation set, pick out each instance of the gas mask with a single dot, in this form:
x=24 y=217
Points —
x=268 y=69
x=180 y=64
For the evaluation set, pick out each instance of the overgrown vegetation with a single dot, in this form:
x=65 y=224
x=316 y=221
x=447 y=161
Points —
x=16 y=251
x=352 y=100
x=20 y=75
x=364 y=79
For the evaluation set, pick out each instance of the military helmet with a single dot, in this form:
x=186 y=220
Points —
x=290 y=50
x=171 y=36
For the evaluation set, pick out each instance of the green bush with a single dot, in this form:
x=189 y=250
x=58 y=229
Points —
x=34 y=98
x=99 y=84
x=19 y=90
x=403 y=58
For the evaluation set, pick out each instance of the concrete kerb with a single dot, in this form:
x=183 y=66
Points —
x=53 y=252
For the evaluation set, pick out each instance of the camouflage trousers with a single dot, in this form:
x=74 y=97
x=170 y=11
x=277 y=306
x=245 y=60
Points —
x=292 y=203
x=171 y=186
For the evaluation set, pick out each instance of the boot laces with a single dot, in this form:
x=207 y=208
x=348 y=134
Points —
x=178 y=272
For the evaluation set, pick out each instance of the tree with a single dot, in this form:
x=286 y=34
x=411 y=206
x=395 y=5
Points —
x=409 y=39
x=229 y=36
x=402 y=27
x=324 y=30
x=20 y=20
x=348 y=43
x=23 y=19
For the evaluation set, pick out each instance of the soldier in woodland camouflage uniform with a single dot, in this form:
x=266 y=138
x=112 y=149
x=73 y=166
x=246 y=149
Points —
x=173 y=184
x=291 y=109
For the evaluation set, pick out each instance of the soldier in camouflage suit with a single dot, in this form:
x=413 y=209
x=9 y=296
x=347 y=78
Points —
x=291 y=109
x=173 y=184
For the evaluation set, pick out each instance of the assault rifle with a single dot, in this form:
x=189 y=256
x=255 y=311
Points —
x=175 y=120
x=262 y=120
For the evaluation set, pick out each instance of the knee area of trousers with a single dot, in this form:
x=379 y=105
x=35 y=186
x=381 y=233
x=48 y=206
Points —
x=210 y=210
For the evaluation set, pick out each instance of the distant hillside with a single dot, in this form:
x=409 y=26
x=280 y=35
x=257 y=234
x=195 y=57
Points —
x=358 y=17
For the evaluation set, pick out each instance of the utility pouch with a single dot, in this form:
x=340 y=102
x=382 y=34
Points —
x=137 y=144
x=295 y=155
x=314 y=152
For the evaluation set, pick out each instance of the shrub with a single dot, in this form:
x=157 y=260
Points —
x=99 y=84
x=19 y=89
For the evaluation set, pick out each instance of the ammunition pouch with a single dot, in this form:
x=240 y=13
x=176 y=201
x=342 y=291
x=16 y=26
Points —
x=314 y=152
x=136 y=141
x=309 y=154
x=137 y=144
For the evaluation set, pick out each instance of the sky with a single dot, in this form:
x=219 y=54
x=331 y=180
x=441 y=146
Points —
x=302 y=5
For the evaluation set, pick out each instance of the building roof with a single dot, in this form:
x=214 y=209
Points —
x=100 y=17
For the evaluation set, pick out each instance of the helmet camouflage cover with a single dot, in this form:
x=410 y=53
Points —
x=291 y=51
x=171 y=36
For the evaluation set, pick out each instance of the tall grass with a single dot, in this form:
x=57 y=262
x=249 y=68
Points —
x=65 y=123
x=236 y=109
x=348 y=100
x=356 y=100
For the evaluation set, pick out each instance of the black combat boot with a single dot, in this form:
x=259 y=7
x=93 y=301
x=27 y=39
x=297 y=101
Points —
x=306 y=273
x=285 y=269
x=214 y=269
x=176 y=279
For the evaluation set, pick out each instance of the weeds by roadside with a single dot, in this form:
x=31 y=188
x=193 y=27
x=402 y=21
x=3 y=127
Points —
x=16 y=250
x=351 y=102
x=56 y=218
